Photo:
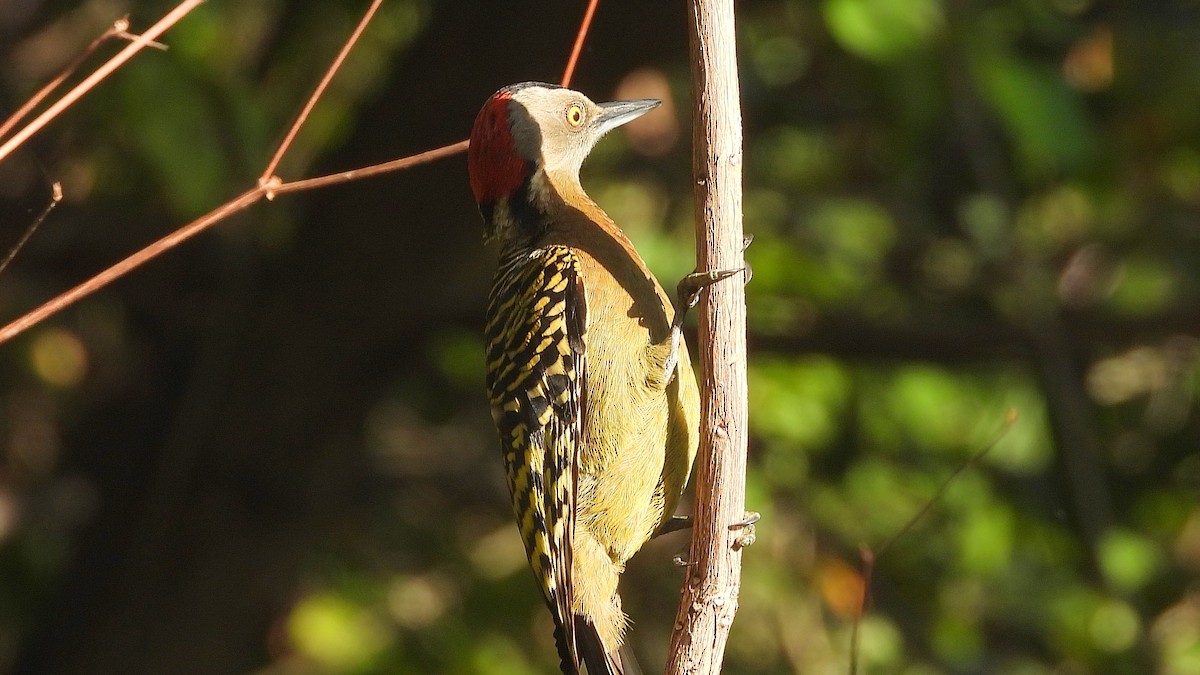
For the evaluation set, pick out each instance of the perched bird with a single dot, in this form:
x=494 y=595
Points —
x=590 y=385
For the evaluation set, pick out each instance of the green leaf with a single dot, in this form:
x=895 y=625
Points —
x=336 y=633
x=1114 y=626
x=176 y=137
x=986 y=539
x=881 y=30
x=795 y=158
x=1044 y=118
x=958 y=641
x=800 y=402
x=1128 y=559
x=1144 y=286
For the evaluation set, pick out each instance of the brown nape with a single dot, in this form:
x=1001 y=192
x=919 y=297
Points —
x=588 y=228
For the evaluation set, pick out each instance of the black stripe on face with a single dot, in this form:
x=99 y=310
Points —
x=527 y=219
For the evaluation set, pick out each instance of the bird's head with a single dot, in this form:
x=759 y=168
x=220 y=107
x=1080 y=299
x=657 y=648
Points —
x=530 y=138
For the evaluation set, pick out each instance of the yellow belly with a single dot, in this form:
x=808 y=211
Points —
x=639 y=436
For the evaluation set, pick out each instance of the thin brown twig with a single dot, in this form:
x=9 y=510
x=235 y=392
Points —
x=119 y=29
x=153 y=44
x=56 y=196
x=869 y=556
x=318 y=91
x=367 y=172
x=1009 y=421
x=268 y=187
x=266 y=190
x=868 y=570
x=584 y=26
x=140 y=42
x=118 y=270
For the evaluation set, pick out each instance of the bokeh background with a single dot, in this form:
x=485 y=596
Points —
x=268 y=452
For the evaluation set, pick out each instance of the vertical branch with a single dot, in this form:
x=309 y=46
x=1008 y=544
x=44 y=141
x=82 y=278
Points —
x=710 y=592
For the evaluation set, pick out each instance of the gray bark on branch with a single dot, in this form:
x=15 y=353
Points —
x=710 y=591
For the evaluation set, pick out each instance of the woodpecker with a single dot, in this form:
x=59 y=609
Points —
x=590 y=385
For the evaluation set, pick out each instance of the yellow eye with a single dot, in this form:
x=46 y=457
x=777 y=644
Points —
x=575 y=115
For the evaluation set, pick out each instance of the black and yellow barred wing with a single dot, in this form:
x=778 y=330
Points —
x=537 y=383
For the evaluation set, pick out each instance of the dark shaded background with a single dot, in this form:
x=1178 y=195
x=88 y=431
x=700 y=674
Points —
x=268 y=452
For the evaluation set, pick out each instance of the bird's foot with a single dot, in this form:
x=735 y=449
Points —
x=692 y=284
x=675 y=524
x=745 y=530
x=688 y=292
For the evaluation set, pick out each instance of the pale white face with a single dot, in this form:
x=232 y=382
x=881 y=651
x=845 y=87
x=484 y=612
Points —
x=539 y=134
x=559 y=127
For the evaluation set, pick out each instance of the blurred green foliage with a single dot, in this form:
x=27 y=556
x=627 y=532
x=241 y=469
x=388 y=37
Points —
x=960 y=208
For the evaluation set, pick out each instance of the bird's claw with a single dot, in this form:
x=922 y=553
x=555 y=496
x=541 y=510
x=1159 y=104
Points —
x=675 y=524
x=688 y=290
x=689 y=294
x=691 y=285
x=681 y=561
x=745 y=528
x=747 y=520
x=746 y=241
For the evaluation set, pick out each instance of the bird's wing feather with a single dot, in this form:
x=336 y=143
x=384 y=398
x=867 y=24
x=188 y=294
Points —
x=537 y=379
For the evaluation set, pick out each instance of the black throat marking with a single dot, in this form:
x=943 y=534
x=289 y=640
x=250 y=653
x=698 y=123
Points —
x=516 y=217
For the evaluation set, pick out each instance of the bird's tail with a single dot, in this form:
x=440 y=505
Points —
x=592 y=655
